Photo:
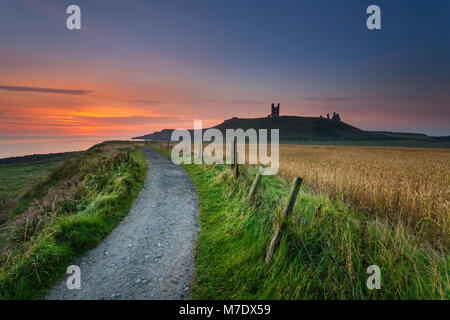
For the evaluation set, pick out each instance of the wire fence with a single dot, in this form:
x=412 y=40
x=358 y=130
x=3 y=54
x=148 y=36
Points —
x=241 y=173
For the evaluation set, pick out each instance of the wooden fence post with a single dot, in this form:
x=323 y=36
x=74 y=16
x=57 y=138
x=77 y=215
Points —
x=255 y=184
x=284 y=214
x=233 y=152
x=236 y=165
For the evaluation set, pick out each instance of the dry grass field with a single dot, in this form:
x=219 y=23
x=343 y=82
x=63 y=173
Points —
x=406 y=186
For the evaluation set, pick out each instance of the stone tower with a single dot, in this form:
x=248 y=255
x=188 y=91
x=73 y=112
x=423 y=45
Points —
x=275 y=114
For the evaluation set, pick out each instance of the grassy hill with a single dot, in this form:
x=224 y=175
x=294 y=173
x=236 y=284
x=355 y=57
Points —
x=301 y=130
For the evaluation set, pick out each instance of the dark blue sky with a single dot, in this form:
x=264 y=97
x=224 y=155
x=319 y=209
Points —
x=174 y=61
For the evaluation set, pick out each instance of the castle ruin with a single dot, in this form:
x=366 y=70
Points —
x=275 y=115
x=336 y=117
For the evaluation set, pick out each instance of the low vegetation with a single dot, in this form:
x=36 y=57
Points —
x=69 y=212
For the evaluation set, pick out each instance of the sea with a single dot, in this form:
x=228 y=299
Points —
x=22 y=146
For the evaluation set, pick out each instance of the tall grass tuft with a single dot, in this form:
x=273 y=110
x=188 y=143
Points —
x=323 y=254
x=57 y=220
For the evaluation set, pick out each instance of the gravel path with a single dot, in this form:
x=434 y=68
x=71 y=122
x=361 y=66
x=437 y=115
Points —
x=150 y=253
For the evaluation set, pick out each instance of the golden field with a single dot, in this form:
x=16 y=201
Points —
x=407 y=186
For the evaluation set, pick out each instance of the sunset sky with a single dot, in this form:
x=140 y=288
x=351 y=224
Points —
x=139 y=66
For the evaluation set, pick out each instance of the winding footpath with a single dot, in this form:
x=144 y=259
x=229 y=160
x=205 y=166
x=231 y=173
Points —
x=149 y=255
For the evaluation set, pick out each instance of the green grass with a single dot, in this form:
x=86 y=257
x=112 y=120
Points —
x=16 y=178
x=323 y=254
x=61 y=218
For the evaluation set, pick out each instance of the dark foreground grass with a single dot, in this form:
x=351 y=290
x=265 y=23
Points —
x=324 y=254
x=69 y=213
x=17 y=177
